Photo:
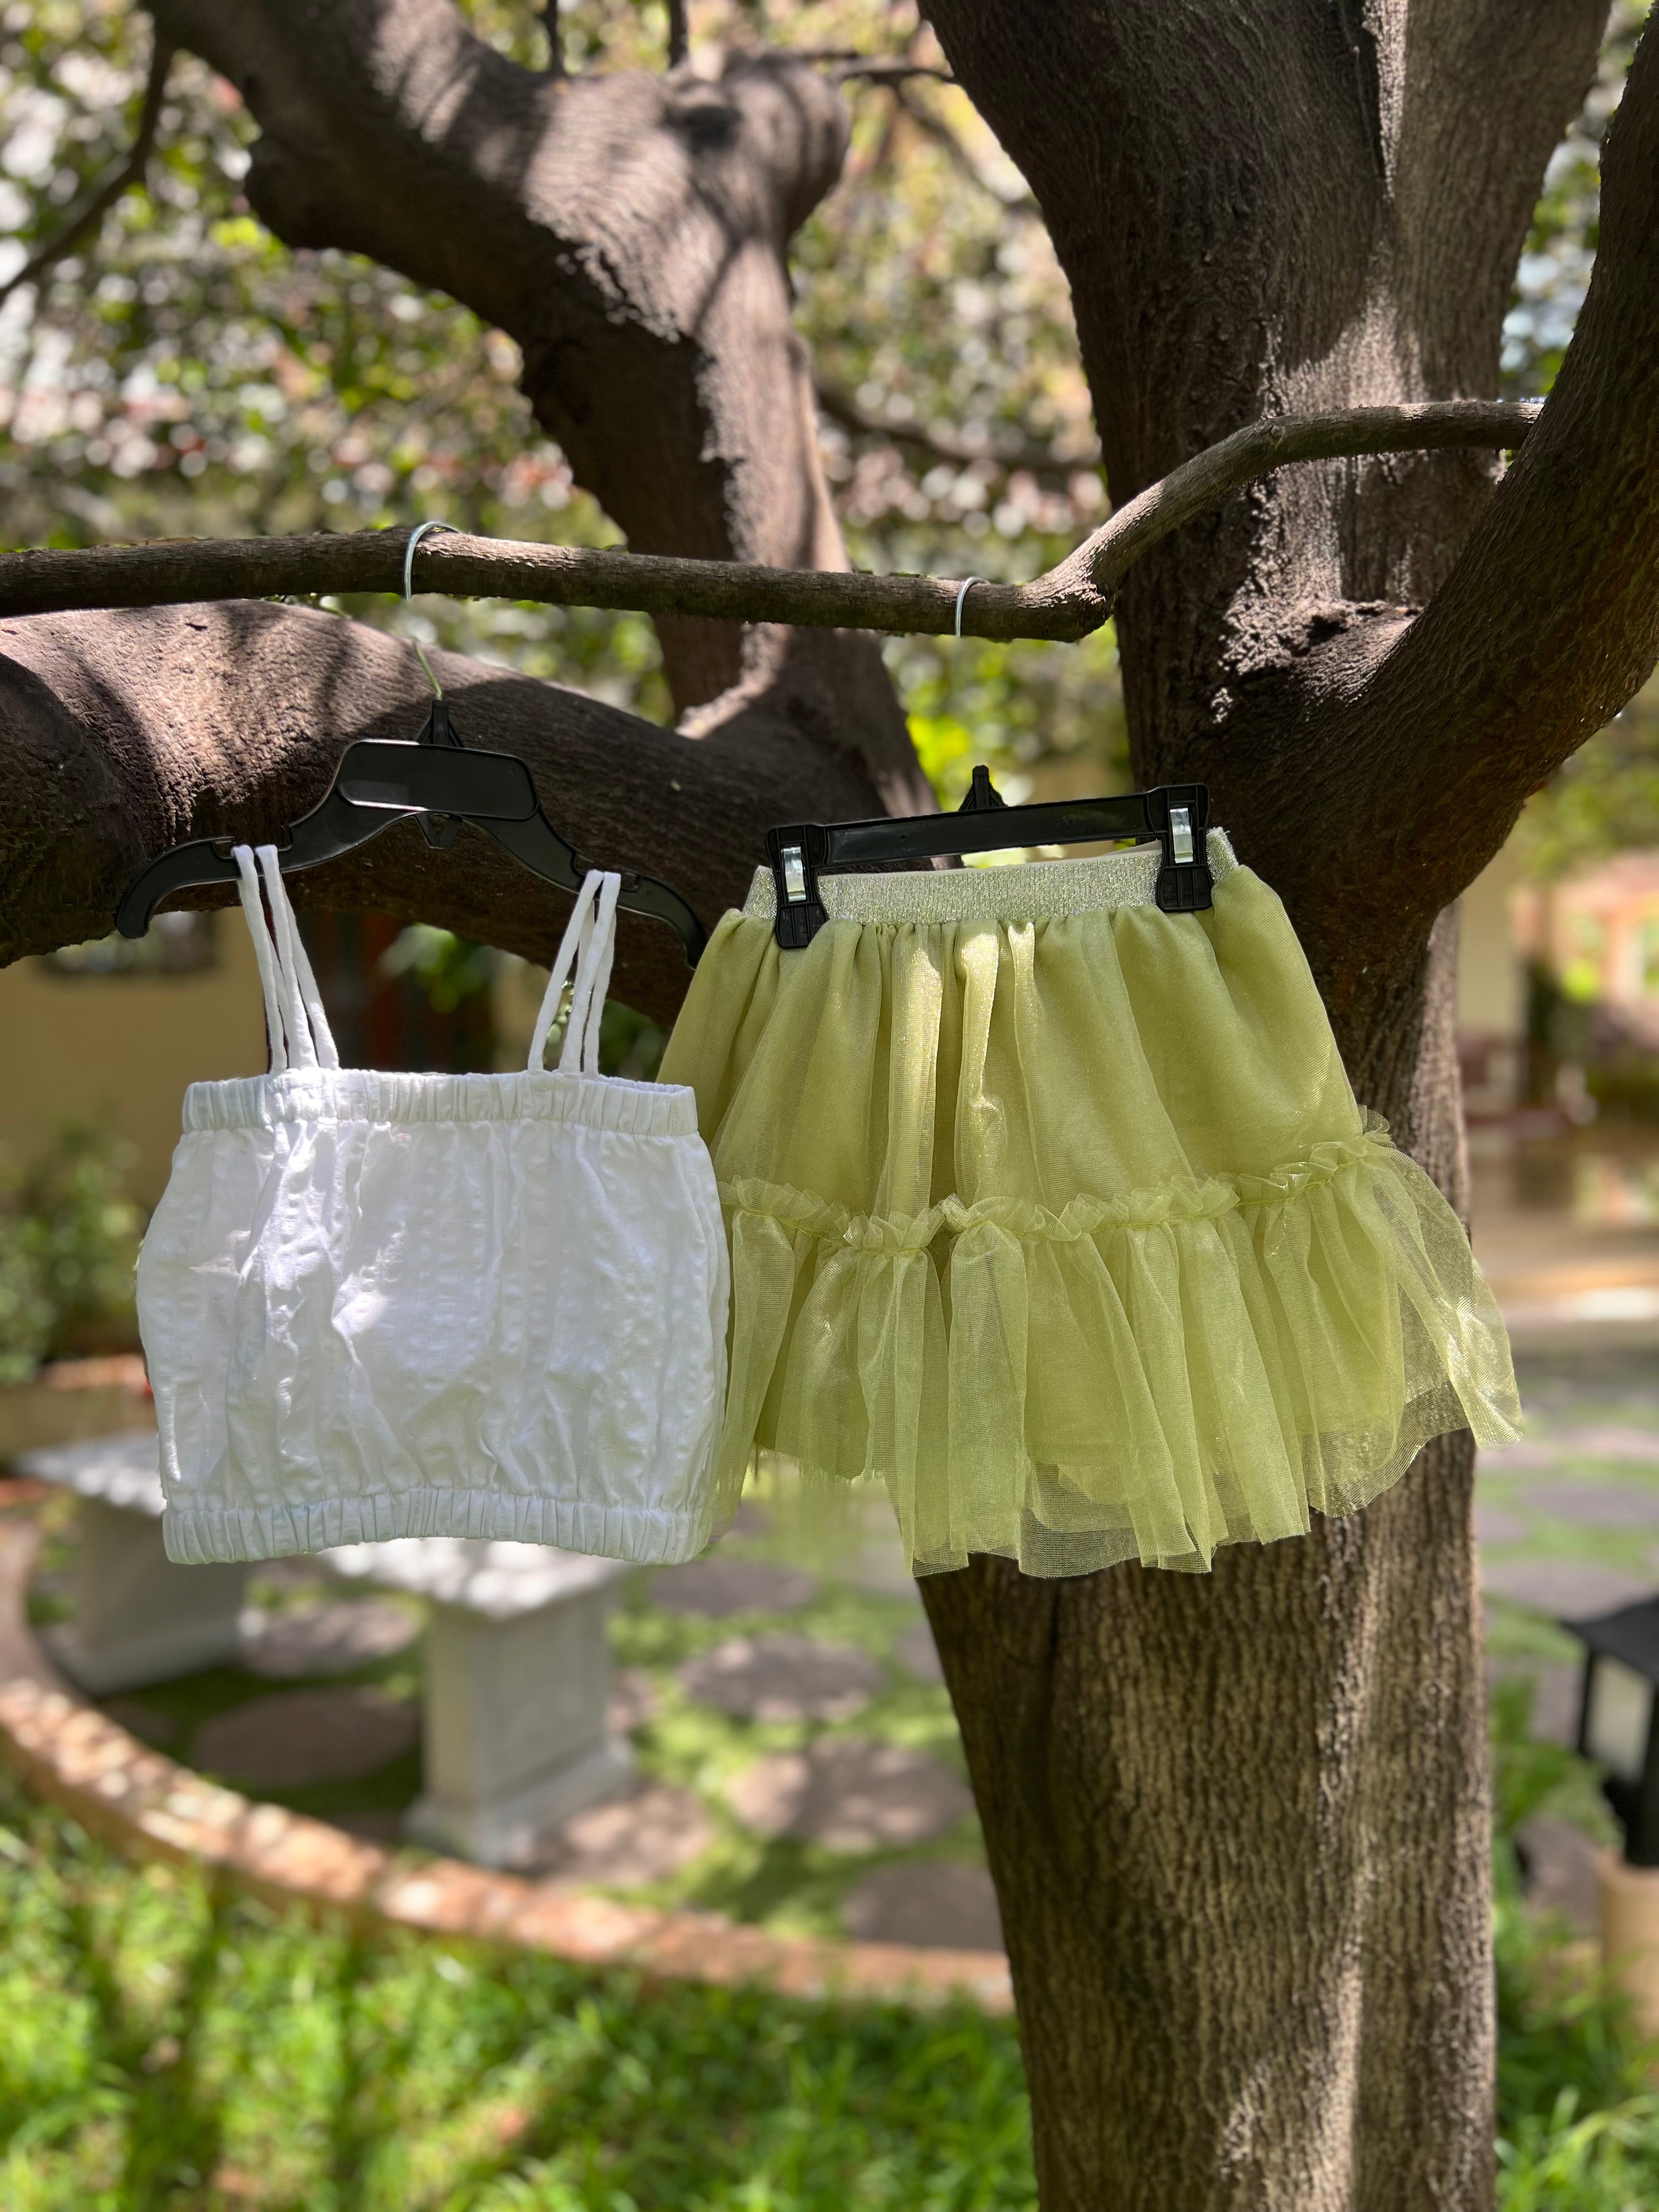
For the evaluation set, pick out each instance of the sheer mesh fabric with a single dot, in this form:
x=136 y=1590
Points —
x=1065 y=1226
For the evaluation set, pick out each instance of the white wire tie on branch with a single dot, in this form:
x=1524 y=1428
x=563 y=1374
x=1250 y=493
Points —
x=415 y=537
x=962 y=596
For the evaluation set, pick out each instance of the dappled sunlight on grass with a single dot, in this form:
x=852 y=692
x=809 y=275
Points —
x=165 y=2042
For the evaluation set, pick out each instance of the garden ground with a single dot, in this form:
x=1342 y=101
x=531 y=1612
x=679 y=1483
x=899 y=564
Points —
x=167 y=2042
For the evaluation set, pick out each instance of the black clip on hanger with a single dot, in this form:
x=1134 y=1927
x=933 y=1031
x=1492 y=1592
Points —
x=380 y=781
x=1176 y=814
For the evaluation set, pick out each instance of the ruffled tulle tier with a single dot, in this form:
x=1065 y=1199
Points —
x=1056 y=1215
x=1147 y=1377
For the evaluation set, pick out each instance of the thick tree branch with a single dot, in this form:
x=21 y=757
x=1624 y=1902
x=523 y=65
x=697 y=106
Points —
x=128 y=731
x=628 y=230
x=120 y=179
x=1549 y=621
x=1070 y=601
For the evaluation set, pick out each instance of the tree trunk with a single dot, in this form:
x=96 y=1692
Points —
x=1239 y=1826
x=1239 y=1822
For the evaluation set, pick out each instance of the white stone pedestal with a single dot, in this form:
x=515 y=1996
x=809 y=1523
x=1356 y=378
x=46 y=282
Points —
x=138 y=1618
x=517 y=1673
x=517 y=1665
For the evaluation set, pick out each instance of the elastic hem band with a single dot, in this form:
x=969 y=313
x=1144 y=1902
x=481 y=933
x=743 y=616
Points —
x=608 y=1103
x=1025 y=890
x=200 y=1535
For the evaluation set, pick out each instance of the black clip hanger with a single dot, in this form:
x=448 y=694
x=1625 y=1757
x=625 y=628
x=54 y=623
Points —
x=438 y=777
x=1177 y=815
x=381 y=780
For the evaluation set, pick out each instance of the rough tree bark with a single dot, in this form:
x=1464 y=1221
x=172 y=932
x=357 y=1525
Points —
x=1239 y=1822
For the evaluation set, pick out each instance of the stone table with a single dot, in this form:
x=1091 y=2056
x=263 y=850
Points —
x=518 y=1659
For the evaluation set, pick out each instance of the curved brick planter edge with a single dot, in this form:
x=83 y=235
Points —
x=147 y=1804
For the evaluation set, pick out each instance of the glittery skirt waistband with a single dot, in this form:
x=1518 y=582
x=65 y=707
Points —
x=1025 y=890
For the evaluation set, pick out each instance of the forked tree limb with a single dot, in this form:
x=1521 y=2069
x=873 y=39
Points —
x=1066 y=603
x=1029 y=454
x=629 y=230
x=128 y=173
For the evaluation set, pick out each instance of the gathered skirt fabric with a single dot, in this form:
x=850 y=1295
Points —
x=1057 y=1215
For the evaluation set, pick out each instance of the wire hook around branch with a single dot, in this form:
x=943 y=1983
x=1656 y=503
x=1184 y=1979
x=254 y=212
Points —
x=415 y=537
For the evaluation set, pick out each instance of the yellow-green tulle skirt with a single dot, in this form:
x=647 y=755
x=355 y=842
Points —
x=1056 y=1214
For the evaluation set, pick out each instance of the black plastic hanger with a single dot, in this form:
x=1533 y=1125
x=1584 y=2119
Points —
x=381 y=780
x=437 y=776
x=1176 y=814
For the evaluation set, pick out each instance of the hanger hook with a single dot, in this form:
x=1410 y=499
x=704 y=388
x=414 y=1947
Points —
x=961 y=597
x=415 y=537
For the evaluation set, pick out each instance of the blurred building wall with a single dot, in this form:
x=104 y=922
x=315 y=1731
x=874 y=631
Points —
x=1491 y=1007
x=1598 y=931
x=122 y=1047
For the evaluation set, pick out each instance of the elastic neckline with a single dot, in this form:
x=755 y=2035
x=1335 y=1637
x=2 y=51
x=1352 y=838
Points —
x=390 y=1099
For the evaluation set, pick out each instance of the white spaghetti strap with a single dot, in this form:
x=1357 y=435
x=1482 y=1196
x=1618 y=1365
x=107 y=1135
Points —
x=301 y=1051
x=572 y=944
x=291 y=950
x=581 y=1037
x=248 y=892
x=328 y=1055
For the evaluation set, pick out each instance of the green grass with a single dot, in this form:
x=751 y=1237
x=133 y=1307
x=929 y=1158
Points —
x=166 y=2043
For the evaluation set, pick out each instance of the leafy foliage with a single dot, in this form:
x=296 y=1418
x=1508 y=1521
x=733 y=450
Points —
x=1577 y=2120
x=1560 y=251
x=69 y=1241
x=448 y=967
x=1605 y=798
